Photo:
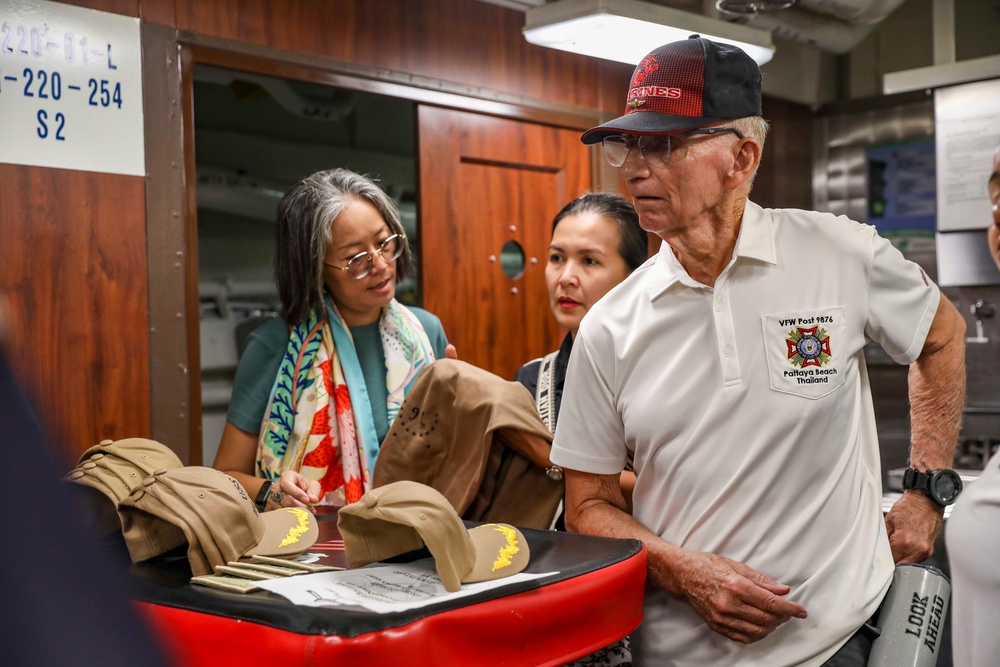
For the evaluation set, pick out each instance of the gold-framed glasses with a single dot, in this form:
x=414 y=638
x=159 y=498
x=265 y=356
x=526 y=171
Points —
x=360 y=265
x=655 y=149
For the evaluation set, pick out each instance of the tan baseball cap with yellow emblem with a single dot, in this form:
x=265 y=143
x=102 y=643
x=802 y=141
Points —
x=212 y=513
x=403 y=516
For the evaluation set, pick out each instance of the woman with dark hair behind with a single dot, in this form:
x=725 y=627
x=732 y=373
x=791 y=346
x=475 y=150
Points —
x=596 y=243
x=317 y=389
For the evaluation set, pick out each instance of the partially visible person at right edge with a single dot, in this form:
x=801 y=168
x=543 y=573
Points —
x=972 y=533
x=732 y=367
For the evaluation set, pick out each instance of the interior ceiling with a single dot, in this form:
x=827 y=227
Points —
x=524 y=5
x=835 y=26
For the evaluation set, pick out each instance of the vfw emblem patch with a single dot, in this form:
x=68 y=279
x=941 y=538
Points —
x=808 y=347
x=805 y=351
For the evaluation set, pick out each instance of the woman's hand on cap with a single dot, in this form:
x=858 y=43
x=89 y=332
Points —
x=294 y=490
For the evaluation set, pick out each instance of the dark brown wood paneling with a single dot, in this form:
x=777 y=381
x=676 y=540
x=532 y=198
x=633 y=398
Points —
x=123 y=7
x=74 y=274
x=486 y=181
x=462 y=41
x=784 y=179
x=159 y=12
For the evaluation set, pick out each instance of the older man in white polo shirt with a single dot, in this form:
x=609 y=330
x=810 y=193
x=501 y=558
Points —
x=731 y=366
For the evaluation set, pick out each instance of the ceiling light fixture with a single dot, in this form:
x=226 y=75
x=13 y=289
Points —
x=627 y=30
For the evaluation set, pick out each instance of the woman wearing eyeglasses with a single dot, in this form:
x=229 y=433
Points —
x=596 y=243
x=316 y=390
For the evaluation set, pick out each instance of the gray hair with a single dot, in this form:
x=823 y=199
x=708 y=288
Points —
x=304 y=233
x=756 y=127
x=752 y=126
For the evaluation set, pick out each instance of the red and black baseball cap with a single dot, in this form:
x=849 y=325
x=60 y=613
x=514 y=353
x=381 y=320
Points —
x=685 y=85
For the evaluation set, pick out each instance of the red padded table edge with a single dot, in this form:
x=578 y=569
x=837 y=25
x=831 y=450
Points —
x=550 y=625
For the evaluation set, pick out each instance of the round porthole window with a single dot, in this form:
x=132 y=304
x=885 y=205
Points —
x=512 y=259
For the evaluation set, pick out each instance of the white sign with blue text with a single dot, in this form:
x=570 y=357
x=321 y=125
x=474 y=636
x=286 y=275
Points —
x=70 y=88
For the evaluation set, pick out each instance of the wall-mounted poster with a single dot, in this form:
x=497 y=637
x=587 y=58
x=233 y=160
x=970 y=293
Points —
x=967 y=127
x=902 y=198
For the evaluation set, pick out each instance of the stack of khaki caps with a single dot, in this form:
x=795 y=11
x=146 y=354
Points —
x=404 y=516
x=139 y=488
x=108 y=472
x=212 y=513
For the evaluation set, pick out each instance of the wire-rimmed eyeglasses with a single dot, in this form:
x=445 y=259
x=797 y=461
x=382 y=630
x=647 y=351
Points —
x=360 y=265
x=654 y=148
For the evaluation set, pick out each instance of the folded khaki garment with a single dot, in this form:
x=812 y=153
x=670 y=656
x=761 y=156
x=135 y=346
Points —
x=255 y=575
x=305 y=567
x=277 y=570
x=231 y=584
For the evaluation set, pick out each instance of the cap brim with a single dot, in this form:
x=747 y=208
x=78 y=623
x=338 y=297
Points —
x=646 y=122
x=501 y=551
x=287 y=531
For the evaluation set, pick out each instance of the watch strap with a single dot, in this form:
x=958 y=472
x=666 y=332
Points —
x=261 y=499
x=916 y=479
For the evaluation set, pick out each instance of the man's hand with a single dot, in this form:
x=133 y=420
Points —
x=913 y=524
x=734 y=599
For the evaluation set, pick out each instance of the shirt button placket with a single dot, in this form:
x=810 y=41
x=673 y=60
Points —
x=725 y=328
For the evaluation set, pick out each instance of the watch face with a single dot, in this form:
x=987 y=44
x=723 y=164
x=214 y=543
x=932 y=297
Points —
x=946 y=486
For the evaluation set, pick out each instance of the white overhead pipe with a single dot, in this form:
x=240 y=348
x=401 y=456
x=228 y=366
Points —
x=331 y=110
x=837 y=26
x=853 y=11
x=244 y=195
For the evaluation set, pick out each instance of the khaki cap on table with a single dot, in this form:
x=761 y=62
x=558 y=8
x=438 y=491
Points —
x=403 y=516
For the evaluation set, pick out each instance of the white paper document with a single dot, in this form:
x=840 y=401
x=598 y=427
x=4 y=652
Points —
x=382 y=588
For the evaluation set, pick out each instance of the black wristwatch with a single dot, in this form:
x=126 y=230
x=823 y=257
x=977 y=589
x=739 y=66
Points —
x=261 y=499
x=941 y=486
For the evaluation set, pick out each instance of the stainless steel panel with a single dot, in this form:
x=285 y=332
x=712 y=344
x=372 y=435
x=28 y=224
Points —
x=964 y=259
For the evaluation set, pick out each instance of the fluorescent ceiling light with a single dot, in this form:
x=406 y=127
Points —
x=627 y=30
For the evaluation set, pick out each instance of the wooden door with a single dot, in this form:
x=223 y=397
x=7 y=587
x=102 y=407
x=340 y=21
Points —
x=485 y=181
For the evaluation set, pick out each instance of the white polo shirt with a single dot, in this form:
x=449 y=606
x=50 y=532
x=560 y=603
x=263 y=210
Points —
x=749 y=413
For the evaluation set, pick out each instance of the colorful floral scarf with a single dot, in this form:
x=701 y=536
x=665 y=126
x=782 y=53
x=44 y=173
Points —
x=319 y=418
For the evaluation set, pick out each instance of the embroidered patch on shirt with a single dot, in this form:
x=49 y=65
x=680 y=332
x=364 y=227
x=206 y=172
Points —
x=803 y=353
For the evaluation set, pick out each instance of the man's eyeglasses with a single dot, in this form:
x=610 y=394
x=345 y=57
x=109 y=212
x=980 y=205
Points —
x=360 y=265
x=654 y=148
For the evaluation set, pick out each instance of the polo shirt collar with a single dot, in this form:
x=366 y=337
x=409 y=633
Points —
x=756 y=241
